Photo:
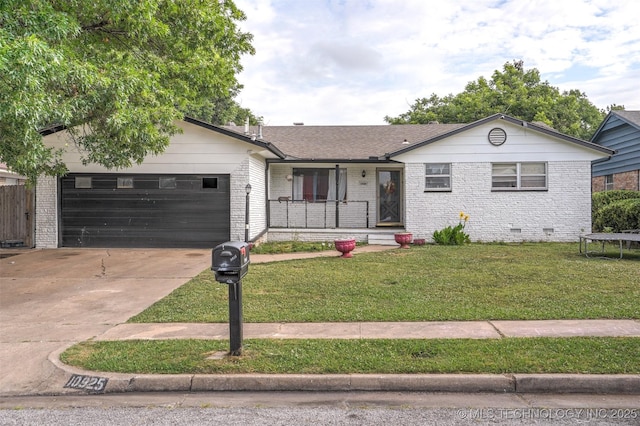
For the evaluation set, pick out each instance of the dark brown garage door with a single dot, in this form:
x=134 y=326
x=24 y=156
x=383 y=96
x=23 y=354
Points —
x=135 y=210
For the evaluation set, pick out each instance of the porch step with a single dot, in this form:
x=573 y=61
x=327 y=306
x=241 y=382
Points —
x=382 y=239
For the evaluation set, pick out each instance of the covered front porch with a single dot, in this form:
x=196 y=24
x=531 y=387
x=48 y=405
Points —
x=322 y=202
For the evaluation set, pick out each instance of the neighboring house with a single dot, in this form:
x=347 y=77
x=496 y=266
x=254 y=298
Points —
x=7 y=177
x=517 y=181
x=619 y=131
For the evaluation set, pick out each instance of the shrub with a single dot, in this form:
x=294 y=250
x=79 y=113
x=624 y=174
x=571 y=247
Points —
x=453 y=235
x=602 y=199
x=619 y=215
x=615 y=210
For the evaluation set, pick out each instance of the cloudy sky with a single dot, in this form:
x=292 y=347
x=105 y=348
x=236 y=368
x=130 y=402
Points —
x=355 y=61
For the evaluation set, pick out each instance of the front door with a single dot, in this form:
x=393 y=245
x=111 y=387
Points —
x=389 y=198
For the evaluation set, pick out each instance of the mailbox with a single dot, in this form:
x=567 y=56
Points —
x=230 y=261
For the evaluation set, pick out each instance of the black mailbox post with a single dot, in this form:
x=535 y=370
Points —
x=230 y=262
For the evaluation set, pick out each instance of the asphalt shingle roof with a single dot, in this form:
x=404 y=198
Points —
x=630 y=116
x=346 y=142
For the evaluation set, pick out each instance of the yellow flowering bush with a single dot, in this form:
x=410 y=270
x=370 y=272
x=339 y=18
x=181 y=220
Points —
x=453 y=235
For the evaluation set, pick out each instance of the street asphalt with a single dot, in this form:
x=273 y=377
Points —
x=52 y=299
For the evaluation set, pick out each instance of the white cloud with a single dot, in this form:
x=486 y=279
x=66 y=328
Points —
x=356 y=61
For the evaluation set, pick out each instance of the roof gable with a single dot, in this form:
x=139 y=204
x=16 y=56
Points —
x=532 y=126
x=632 y=118
x=244 y=138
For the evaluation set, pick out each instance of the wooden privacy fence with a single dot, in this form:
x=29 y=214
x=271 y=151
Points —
x=16 y=216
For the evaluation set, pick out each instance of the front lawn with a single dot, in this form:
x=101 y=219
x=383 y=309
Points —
x=604 y=355
x=427 y=283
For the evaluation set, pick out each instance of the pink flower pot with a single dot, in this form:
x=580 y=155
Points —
x=404 y=239
x=345 y=247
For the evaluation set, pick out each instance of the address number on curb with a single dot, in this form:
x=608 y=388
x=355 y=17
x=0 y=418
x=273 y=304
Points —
x=90 y=383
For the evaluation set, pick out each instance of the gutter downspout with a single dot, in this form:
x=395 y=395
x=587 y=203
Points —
x=266 y=199
x=337 y=196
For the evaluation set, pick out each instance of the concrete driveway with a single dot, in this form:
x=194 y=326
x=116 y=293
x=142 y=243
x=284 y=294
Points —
x=51 y=299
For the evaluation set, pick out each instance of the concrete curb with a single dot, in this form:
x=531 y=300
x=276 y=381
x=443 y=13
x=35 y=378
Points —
x=467 y=383
x=578 y=383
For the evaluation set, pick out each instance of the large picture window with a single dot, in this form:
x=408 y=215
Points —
x=519 y=176
x=319 y=184
x=437 y=177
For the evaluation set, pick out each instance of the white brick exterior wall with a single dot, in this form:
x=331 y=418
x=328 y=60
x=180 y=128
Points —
x=258 y=196
x=317 y=235
x=559 y=214
x=249 y=171
x=239 y=179
x=47 y=212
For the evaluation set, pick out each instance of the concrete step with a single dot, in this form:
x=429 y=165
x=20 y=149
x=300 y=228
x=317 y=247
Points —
x=382 y=239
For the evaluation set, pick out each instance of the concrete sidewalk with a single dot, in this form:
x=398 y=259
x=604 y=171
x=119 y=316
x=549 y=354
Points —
x=52 y=299
x=379 y=330
x=497 y=383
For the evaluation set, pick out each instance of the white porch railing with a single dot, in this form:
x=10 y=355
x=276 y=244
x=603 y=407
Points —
x=319 y=214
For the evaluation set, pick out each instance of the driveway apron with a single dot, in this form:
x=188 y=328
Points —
x=54 y=298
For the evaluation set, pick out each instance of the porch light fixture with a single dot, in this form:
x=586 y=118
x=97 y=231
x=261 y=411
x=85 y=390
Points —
x=364 y=173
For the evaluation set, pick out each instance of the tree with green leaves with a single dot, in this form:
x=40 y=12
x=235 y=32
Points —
x=116 y=74
x=514 y=92
x=223 y=112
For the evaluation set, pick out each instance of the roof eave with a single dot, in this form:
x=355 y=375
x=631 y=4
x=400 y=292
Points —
x=625 y=119
x=586 y=144
x=52 y=129
x=369 y=160
x=248 y=139
x=448 y=134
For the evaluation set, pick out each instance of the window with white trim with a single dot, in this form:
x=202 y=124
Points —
x=608 y=182
x=518 y=176
x=437 y=177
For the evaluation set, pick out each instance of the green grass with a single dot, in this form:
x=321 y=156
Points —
x=509 y=355
x=426 y=283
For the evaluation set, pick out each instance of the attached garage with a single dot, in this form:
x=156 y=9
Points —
x=144 y=210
